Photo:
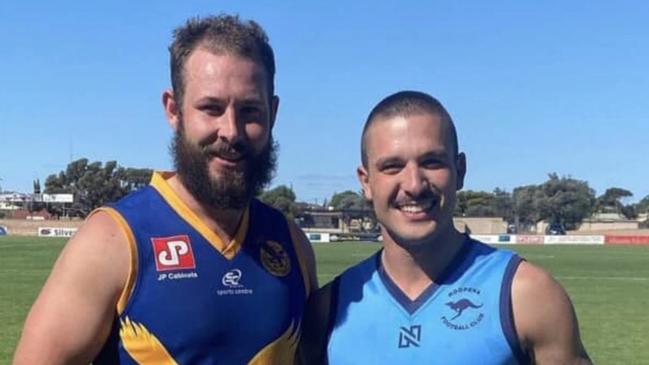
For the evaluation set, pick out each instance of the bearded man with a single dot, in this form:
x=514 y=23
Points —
x=191 y=269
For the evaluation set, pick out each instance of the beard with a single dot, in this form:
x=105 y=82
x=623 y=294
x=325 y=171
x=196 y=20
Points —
x=234 y=187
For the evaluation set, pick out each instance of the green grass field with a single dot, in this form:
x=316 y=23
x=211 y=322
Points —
x=609 y=286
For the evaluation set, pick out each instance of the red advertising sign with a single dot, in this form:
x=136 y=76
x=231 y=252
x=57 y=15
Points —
x=626 y=240
x=529 y=239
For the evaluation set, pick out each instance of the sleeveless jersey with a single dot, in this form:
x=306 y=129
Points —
x=465 y=319
x=191 y=299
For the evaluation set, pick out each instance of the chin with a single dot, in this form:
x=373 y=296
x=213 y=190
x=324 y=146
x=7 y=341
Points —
x=411 y=238
x=419 y=235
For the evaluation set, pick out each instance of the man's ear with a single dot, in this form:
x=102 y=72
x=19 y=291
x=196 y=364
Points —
x=460 y=165
x=274 y=105
x=171 y=108
x=363 y=178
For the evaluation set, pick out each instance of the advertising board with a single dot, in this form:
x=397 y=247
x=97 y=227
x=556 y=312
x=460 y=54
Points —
x=56 y=232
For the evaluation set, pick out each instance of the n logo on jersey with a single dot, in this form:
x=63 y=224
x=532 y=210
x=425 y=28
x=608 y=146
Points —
x=409 y=336
x=173 y=253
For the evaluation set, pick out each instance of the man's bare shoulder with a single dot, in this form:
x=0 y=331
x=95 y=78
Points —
x=544 y=317
x=79 y=298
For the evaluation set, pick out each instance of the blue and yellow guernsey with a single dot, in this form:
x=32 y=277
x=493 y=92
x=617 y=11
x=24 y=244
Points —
x=193 y=299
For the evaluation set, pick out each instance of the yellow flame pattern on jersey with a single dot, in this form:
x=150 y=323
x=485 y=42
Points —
x=142 y=345
x=280 y=351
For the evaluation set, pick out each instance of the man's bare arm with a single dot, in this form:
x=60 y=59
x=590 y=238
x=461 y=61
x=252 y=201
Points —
x=545 y=318
x=73 y=314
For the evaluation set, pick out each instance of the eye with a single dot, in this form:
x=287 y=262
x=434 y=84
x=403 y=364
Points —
x=212 y=109
x=250 y=110
x=433 y=163
x=390 y=167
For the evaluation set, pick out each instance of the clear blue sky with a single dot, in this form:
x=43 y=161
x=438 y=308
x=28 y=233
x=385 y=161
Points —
x=534 y=87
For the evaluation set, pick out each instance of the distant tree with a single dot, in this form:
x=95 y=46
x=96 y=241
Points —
x=611 y=200
x=566 y=201
x=460 y=204
x=94 y=184
x=131 y=179
x=503 y=204
x=475 y=204
x=526 y=201
x=629 y=211
x=347 y=200
x=642 y=206
x=34 y=205
x=37 y=186
x=281 y=197
x=471 y=203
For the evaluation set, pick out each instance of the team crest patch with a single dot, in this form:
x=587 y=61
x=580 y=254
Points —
x=463 y=309
x=173 y=253
x=275 y=259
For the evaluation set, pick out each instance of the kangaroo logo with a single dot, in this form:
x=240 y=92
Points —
x=460 y=299
x=461 y=305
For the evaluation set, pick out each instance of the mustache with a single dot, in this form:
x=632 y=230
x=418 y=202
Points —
x=227 y=150
x=425 y=195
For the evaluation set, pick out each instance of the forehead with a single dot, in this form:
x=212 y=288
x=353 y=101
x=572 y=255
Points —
x=222 y=70
x=406 y=135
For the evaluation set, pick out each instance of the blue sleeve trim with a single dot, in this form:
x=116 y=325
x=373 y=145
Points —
x=506 y=312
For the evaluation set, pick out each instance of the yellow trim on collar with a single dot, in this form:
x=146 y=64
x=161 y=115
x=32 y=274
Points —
x=159 y=182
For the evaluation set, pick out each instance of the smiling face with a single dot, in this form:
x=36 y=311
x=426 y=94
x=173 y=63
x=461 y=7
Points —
x=411 y=177
x=223 y=146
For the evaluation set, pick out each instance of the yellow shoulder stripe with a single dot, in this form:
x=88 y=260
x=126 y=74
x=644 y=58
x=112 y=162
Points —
x=129 y=285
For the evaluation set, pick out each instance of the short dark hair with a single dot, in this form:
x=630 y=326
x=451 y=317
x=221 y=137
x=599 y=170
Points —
x=406 y=103
x=222 y=33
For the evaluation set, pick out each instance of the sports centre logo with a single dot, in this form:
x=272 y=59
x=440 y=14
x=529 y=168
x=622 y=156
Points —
x=231 y=278
x=275 y=259
x=463 y=309
x=232 y=284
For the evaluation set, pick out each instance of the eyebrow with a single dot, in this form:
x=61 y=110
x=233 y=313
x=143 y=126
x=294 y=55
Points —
x=248 y=100
x=209 y=100
x=439 y=154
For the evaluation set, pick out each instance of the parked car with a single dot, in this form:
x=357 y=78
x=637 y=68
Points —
x=555 y=229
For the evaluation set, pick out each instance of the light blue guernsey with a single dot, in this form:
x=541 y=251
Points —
x=465 y=318
x=193 y=299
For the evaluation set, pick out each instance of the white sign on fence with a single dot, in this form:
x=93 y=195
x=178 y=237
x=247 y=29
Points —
x=318 y=237
x=574 y=240
x=58 y=198
x=486 y=238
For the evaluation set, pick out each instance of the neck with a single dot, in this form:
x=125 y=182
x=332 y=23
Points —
x=224 y=222
x=413 y=268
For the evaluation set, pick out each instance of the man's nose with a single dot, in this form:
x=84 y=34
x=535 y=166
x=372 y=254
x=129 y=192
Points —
x=229 y=126
x=414 y=181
